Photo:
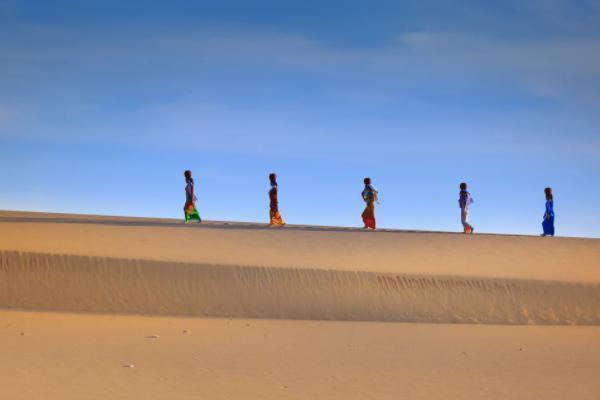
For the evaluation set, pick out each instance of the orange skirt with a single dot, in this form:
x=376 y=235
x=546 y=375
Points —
x=276 y=219
x=368 y=216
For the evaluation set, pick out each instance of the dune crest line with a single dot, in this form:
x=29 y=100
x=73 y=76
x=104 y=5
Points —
x=112 y=285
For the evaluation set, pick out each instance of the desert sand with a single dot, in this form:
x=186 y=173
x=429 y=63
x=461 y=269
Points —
x=98 y=307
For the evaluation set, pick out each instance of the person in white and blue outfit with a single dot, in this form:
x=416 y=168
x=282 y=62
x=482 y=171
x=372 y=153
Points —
x=464 y=201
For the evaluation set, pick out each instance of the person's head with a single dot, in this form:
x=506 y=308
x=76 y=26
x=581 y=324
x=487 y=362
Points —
x=188 y=175
x=273 y=179
x=548 y=192
x=367 y=181
x=463 y=186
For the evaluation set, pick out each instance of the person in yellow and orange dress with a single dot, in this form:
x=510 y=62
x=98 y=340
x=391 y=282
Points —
x=274 y=214
x=369 y=195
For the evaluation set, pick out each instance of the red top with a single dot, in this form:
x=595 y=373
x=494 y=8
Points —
x=274 y=203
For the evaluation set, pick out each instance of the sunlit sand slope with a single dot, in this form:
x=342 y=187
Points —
x=121 y=265
x=79 y=283
x=56 y=356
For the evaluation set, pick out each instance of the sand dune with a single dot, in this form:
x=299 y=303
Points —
x=226 y=243
x=242 y=311
x=124 y=265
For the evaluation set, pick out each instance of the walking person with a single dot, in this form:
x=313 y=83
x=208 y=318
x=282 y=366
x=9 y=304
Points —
x=189 y=209
x=548 y=222
x=274 y=214
x=370 y=196
x=464 y=201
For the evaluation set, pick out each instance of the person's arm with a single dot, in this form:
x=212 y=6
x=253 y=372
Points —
x=375 y=194
x=549 y=210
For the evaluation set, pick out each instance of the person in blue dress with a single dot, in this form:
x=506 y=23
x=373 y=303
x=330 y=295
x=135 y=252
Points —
x=548 y=222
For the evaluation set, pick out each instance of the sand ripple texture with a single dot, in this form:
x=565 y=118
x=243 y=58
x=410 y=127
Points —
x=113 y=285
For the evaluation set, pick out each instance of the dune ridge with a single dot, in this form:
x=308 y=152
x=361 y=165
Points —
x=253 y=244
x=46 y=281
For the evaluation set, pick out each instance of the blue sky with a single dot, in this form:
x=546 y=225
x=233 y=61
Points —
x=104 y=104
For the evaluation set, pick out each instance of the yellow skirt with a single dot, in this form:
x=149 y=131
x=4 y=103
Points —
x=368 y=216
x=276 y=219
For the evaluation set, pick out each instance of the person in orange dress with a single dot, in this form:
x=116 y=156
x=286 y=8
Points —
x=274 y=214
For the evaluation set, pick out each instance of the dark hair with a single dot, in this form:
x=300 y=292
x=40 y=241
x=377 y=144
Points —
x=367 y=181
x=548 y=192
x=463 y=186
x=273 y=177
x=188 y=176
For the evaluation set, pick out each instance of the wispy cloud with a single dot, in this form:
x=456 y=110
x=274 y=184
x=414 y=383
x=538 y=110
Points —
x=238 y=88
x=423 y=55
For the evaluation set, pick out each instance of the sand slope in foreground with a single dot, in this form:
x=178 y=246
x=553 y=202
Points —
x=62 y=356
